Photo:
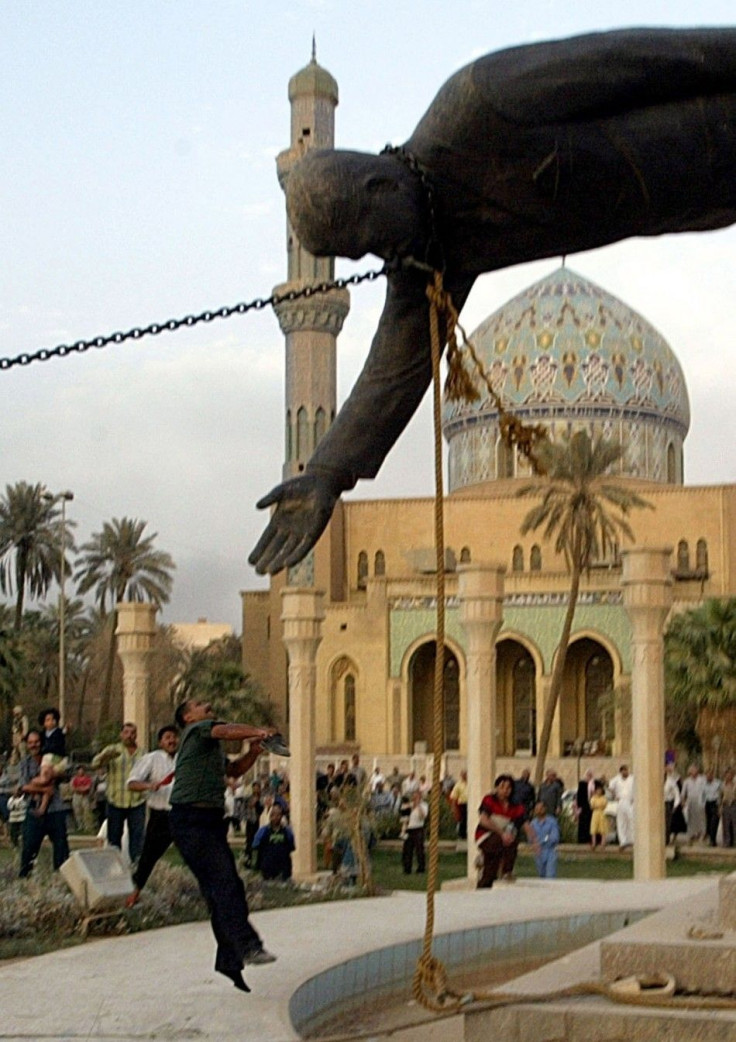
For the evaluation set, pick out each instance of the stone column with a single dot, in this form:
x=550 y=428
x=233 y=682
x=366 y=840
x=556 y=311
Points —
x=480 y=592
x=647 y=588
x=135 y=632
x=302 y=613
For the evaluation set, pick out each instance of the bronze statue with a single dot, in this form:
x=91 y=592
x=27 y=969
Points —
x=531 y=152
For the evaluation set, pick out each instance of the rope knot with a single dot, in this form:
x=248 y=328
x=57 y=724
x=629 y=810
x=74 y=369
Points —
x=459 y=385
x=429 y=986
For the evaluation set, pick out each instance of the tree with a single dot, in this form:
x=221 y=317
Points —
x=11 y=665
x=700 y=670
x=216 y=675
x=584 y=511
x=30 y=542
x=120 y=563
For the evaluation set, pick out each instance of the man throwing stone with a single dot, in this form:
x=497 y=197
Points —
x=199 y=830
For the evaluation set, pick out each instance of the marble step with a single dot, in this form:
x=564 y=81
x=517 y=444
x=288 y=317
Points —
x=595 y=1020
x=691 y=941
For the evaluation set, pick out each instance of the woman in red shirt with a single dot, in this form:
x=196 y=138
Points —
x=497 y=834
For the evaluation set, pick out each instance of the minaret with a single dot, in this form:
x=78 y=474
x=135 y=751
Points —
x=310 y=326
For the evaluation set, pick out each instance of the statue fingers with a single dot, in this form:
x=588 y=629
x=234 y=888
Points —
x=274 y=496
x=269 y=546
x=285 y=556
x=301 y=550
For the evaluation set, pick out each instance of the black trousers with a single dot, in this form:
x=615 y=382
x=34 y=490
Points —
x=51 y=824
x=711 y=820
x=156 y=842
x=413 y=844
x=496 y=855
x=200 y=833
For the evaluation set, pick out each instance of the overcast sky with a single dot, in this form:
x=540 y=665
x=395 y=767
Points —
x=138 y=183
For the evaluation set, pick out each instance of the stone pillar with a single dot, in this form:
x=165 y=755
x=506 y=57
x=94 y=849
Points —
x=135 y=632
x=302 y=613
x=647 y=589
x=480 y=592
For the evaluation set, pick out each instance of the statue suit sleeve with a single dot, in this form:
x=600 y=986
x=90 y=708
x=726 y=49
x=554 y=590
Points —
x=396 y=375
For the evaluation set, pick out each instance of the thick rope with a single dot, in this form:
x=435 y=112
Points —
x=430 y=978
x=430 y=986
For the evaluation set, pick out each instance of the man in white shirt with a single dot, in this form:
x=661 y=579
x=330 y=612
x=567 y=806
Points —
x=410 y=784
x=414 y=841
x=693 y=800
x=622 y=790
x=713 y=790
x=154 y=775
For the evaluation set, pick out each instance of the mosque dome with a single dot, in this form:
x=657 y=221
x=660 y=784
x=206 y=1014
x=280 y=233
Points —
x=567 y=354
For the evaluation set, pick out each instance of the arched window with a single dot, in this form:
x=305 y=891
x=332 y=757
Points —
x=349 y=705
x=535 y=559
x=701 y=556
x=671 y=470
x=683 y=556
x=302 y=434
x=362 y=569
x=525 y=705
x=320 y=426
x=288 y=439
x=517 y=559
x=379 y=563
x=504 y=460
x=599 y=717
x=465 y=555
x=451 y=702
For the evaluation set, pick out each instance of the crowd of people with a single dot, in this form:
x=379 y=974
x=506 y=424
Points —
x=126 y=794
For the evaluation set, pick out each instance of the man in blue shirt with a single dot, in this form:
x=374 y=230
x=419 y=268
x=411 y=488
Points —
x=543 y=832
x=273 y=845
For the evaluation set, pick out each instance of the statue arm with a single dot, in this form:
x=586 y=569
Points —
x=389 y=389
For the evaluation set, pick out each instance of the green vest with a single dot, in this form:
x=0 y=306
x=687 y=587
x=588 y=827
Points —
x=200 y=767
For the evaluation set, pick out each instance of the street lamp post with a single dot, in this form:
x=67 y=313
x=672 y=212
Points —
x=63 y=498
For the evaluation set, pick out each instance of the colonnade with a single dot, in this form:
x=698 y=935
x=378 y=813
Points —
x=647 y=592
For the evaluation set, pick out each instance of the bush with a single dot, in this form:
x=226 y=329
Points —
x=41 y=914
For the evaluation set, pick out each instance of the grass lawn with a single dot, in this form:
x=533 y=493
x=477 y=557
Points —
x=388 y=873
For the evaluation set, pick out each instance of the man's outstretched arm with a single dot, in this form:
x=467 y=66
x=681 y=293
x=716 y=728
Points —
x=389 y=389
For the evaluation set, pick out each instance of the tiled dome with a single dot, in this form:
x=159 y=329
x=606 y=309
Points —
x=565 y=352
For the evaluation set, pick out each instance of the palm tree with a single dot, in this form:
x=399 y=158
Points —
x=215 y=673
x=576 y=497
x=30 y=541
x=700 y=670
x=11 y=663
x=120 y=563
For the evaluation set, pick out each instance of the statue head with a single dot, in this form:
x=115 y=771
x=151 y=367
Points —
x=348 y=204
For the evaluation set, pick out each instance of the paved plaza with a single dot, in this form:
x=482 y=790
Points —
x=161 y=985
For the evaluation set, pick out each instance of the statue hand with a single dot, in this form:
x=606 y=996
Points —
x=304 y=505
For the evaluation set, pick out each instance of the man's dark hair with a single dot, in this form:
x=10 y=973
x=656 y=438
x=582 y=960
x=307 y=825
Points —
x=45 y=712
x=165 y=730
x=179 y=713
x=33 y=730
x=504 y=777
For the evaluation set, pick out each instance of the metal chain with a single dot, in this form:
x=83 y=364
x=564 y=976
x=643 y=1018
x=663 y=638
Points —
x=173 y=324
x=434 y=255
